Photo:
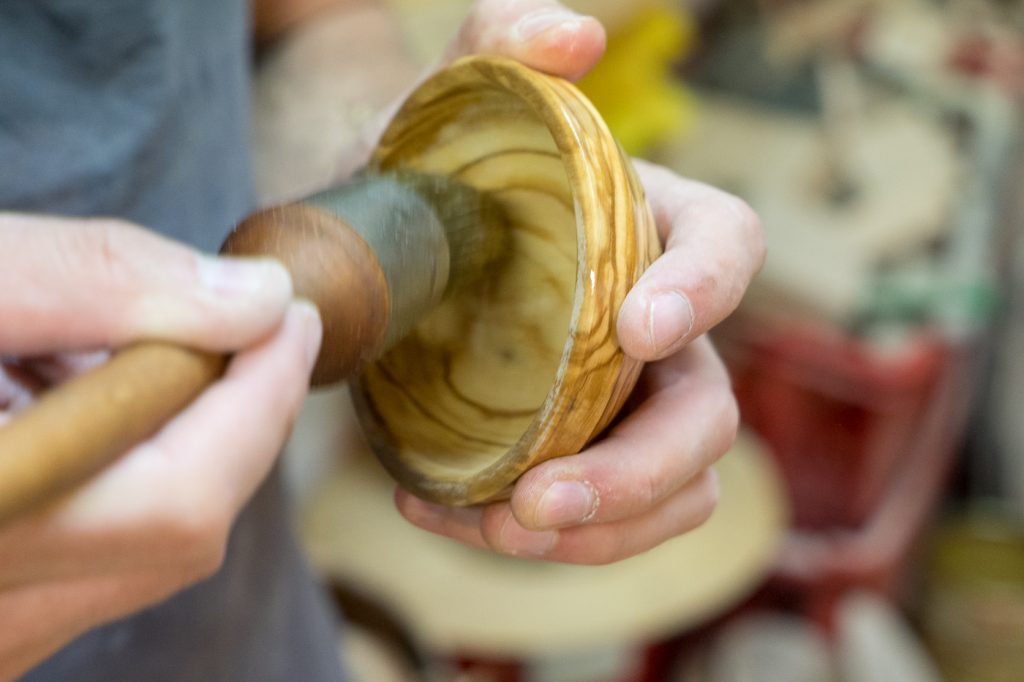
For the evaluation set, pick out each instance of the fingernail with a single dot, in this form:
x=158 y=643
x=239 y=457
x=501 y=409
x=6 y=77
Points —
x=238 y=277
x=537 y=22
x=313 y=329
x=669 y=320
x=566 y=503
x=518 y=541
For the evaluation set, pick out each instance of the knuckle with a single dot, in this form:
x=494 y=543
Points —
x=605 y=556
x=749 y=220
x=709 y=492
x=205 y=554
x=718 y=206
x=196 y=534
x=606 y=548
x=751 y=229
x=729 y=410
x=205 y=560
x=295 y=382
x=722 y=208
x=714 y=491
x=621 y=548
x=104 y=246
x=492 y=522
x=696 y=504
x=650 y=484
x=651 y=488
x=726 y=424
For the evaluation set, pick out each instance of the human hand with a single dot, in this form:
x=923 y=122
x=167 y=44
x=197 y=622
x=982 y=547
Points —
x=157 y=520
x=542 y=34
x=649 y=478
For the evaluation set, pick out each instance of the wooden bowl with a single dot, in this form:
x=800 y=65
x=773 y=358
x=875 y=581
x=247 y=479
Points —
x=524 y=365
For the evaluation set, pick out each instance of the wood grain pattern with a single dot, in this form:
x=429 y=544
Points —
x=525 y=365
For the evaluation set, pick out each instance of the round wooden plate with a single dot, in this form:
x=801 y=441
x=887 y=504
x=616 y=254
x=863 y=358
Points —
x=522 y=365
x=458 y=599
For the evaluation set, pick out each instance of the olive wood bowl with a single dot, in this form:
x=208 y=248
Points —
x=523 y=364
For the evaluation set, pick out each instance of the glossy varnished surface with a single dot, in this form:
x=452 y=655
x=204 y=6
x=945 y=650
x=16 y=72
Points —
x=522 y=365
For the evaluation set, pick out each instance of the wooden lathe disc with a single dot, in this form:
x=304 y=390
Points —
x=459 y=599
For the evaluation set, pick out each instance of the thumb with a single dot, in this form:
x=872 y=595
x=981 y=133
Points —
x=542 y=34
x=69 y=284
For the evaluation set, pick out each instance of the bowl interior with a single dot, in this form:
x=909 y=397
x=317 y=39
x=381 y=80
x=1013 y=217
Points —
x=466 y=388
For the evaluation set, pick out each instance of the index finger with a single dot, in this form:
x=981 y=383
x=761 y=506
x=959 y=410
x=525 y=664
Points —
x=78 y=284
x=713 y=248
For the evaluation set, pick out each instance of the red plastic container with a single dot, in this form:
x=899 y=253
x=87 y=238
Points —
x=838 y=413
x=865 y=439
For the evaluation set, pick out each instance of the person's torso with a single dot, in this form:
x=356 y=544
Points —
x=134 y=108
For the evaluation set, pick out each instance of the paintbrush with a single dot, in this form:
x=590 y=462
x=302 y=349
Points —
x=374 y=255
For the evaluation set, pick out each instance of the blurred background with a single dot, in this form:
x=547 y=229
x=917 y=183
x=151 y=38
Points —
x=871 y=525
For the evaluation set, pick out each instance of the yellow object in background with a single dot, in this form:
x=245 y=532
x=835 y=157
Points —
x=633 y=86
x=973 y=611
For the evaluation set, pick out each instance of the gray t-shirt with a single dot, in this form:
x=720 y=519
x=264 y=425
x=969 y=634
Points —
x=138 y=109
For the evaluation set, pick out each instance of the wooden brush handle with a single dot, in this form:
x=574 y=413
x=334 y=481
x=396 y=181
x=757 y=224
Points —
x=75 y=431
